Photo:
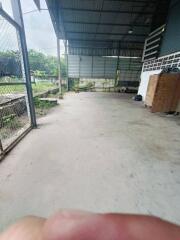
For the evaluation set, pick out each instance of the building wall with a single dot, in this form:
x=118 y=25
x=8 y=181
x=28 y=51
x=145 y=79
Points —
x=171 y=39
x=129 y=72
x=91 y=67
x=169 y=52
x=144 y=82
x=156 y=66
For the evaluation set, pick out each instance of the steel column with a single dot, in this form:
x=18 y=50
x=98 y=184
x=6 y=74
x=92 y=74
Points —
x=59 y=67
x=66 y=56
x=117 y=68
x=18 y=17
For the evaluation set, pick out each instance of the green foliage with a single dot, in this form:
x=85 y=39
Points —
x=37 y=88
x=76 y=86
x=42 y=107
x=42 y=86
x=43 y=104
x=10 y=54
x=63 y=68
x=73 y=83
x=44 y=66
x=40 y=64
x=11 y=122
x=7 y=119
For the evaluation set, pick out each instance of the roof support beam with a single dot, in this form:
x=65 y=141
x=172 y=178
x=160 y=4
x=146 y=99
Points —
x=109 y=24
x=109 y=48
x=107 y=11
x=107 y=33
x=133 y=1
x=104 y=41
x=56 y=17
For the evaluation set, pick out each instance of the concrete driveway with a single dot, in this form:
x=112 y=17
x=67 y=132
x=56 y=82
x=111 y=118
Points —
x=95 y=151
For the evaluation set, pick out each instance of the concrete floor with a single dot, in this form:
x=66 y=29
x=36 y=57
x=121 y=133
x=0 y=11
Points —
x=99 y=152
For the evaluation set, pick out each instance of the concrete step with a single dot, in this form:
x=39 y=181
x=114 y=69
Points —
x=51 y=100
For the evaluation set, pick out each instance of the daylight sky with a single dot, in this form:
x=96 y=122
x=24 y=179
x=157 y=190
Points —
x=40 y=34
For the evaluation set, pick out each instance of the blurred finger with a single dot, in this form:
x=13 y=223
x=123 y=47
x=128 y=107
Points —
x=86 y=226
x=29 y=228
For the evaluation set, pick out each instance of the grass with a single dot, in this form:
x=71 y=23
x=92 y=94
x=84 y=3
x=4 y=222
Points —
x=7 y=120
x=42 y=86
x=10 y=124
x=83 y=87
x=42 y=107
x=37 y=88
x=43 y=104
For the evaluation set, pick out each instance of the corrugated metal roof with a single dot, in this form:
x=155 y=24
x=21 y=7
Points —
x=106 y=21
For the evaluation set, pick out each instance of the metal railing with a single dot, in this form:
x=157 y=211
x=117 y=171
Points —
x=152 y=44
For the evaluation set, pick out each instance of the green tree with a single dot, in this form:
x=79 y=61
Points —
x=40 y=64
x=43 y=65
x=63 y=68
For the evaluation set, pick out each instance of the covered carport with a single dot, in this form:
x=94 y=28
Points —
x=101 y=152
x=105 y=38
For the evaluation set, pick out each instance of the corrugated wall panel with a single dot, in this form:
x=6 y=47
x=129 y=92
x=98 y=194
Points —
x=111 y=66
x=91 y=67
x=85 y=66
x=129 y=72
x=98 y=67
x=74 y=67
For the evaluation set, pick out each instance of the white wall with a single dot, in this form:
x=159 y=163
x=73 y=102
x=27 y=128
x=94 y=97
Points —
x=144 y=82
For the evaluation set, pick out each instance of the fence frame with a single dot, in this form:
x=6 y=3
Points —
x=27 y=77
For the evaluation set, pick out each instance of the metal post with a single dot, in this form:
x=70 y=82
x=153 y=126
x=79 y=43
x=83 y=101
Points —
x=1 y=147
x=79 y=67
x=105 y=79
x=117 y=67
x=92 y=68
x=59 y=67
x=16 y=6
x=66 y=55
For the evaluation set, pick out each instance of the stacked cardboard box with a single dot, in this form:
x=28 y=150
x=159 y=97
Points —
x=163 y=93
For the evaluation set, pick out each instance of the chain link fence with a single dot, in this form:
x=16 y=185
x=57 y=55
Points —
x=14 y=107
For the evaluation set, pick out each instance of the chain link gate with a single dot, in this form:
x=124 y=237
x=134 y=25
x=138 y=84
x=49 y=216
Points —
x=16 y=102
